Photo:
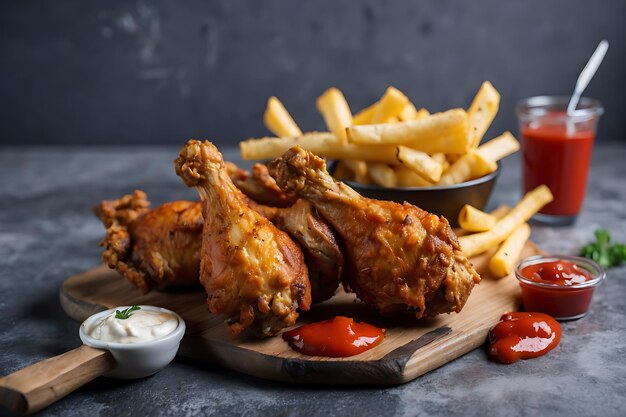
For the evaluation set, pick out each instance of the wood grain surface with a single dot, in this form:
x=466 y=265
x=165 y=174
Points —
x=37 y=386
x=410 y=349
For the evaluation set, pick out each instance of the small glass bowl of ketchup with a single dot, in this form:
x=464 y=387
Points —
x=561 y=286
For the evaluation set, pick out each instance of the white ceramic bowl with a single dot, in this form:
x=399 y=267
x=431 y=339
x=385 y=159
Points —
x=137 y=360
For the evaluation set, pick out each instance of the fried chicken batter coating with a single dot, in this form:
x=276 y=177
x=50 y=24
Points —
x=259 y=185
x=152 y=247
x=137 y=257
x=399 y=257
x=322 y=253
x=252 y=271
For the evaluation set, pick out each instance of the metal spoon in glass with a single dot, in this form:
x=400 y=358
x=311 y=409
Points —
x=586 y=75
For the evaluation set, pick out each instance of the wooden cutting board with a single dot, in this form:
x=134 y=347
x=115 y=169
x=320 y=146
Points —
x=410 y=348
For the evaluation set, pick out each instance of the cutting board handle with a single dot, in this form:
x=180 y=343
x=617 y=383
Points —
x=39 y=385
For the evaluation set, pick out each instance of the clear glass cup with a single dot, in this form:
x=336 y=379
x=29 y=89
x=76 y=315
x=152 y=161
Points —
x=561 y=302
x=556 y=151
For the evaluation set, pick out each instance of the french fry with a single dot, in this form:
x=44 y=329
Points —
x=474 y=220
x=382 y=174
x=390 y=105
x=422 y=114
x=501 y=211
x=323 y=144
x=409 y=112
x=441 y=158
x=532 y=202
x=271 y=147
x=359 y=169
x=498 y=213
x=445 y=132
x=364 y=117
x=392 y=142
x=420 y=162
x=482 y=112
x=336 y=112
x=406 y=177
x=453 y=157
x=278 y=120
x=503 y=262
x=498 y=148
x=467 y=167
x=480 y=161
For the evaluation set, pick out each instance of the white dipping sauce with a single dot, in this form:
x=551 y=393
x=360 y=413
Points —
x=141 y=326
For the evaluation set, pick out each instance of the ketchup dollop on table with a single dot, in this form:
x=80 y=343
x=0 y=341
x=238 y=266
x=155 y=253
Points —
x=523 y=335
x=556 y=272
x=337 y=337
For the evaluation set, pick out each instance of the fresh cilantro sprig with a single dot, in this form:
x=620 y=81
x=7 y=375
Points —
x=604 y=252
x=126 y=313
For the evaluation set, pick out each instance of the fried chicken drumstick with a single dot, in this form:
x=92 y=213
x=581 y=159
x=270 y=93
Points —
x=162 y=247
x=301 y=221
x=259 y=185
x=252 y=271
x=399 y=257
x=322 y=254
x=152 y=247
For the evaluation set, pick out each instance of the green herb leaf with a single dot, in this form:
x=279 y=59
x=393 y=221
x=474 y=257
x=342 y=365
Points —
x=603 y=252
x=126 y=313
x=602 y=236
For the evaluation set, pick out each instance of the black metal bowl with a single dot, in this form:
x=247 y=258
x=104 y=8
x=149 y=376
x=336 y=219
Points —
x=444 y=200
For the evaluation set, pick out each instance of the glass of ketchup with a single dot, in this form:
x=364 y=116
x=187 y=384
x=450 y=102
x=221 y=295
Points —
x=561 y=286
x=556 y=151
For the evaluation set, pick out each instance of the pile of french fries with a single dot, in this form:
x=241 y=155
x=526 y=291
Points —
x=391 y=143
x=502 y=233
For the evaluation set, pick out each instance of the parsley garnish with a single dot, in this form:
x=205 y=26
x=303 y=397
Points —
x=126 y=313
x=604 y=252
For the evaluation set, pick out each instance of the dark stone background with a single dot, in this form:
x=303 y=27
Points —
x=159 y=72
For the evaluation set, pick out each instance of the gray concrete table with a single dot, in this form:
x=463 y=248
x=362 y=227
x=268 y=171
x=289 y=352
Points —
x=47 y=233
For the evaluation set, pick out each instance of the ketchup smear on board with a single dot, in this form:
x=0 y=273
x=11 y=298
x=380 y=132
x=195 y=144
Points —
x=556 y=272
x=559 y=160
x=522 y=335
x=337 y=337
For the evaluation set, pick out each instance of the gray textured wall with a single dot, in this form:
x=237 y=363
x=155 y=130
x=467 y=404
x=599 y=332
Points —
x=159 y=72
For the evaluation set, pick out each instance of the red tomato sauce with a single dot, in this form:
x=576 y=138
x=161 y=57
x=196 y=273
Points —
x=337 y=337
x=556 y=272
x=560 y=161
x=560 y=297
x=523 y=335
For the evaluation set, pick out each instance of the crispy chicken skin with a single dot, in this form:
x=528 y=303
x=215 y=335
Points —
x=322 y=254
x=297 y=217
x=399 y=257
x=252 y=271
x=151 y=247
x=139 y=259
x=259 y=185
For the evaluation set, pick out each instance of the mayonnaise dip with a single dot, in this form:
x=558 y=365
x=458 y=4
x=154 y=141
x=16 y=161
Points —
x=141 y=326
